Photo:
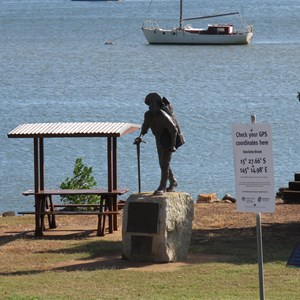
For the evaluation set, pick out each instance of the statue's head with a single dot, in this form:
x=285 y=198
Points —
x=154 y=101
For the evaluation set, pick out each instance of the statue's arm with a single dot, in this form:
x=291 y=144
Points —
x=144 y=130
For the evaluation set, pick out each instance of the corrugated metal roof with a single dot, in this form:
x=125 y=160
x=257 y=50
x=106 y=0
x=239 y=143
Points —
x=73 y=129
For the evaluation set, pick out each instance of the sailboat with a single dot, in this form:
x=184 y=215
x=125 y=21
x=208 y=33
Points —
x=214 y=34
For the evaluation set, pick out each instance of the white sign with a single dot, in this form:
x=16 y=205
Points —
x=253 y=167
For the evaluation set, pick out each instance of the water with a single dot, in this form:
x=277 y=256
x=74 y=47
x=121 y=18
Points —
x=55 y=67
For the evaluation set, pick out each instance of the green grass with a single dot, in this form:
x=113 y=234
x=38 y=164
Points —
x=31 y=268
x=208 y=281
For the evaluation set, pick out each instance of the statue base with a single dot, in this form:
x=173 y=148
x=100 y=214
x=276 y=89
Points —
x=157 y=228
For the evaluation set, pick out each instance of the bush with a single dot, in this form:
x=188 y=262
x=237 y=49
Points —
x=82 y=179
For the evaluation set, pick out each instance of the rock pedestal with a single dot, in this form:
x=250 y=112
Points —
x=157 y=228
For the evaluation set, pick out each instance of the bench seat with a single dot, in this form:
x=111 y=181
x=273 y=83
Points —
x=70 y=212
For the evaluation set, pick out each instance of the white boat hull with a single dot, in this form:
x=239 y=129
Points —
x=177 y=36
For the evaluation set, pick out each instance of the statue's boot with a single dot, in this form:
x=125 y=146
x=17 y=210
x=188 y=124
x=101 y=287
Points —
x=159 y=192
x=163 y=182
x=173 y=185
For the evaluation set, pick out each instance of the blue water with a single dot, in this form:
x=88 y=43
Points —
x=55 y=67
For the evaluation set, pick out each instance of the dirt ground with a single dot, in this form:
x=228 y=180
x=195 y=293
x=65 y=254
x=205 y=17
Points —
x=207 y=217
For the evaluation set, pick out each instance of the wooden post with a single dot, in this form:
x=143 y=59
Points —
x=38 y=216
x=115 y=184
x=109 y=164
x=42 y=176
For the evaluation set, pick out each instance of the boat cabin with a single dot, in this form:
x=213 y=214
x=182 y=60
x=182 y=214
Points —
x=220 y=29
x=213 y=29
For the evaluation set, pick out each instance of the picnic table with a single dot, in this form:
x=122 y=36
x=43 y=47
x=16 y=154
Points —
x=44 y=205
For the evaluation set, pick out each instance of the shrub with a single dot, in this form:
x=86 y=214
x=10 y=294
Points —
x=82 y=179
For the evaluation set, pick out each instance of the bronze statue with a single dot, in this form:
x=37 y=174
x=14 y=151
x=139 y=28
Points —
x=164 y=126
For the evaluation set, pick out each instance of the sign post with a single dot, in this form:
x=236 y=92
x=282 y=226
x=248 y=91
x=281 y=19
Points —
x=254 y=176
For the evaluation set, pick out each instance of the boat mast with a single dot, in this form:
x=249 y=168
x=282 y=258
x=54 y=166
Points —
x=180 y=16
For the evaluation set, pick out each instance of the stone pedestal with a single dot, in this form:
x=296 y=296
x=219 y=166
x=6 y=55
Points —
x=157 y=228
